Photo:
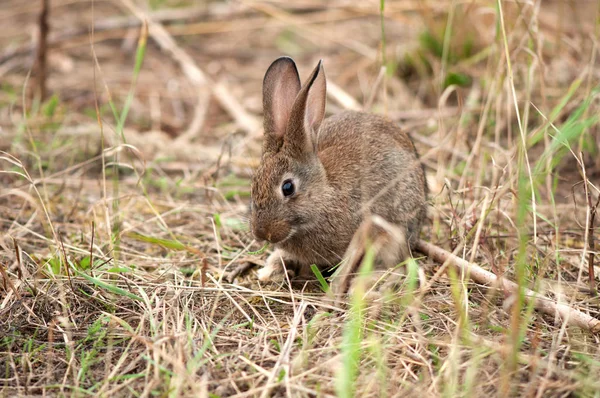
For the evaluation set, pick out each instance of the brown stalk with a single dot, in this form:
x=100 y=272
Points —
x=64 y=253
x=91 y=249
x=42 y=50
x=591 y=241
x=589 y=236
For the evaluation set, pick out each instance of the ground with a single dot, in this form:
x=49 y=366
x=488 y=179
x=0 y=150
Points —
x=126 y=264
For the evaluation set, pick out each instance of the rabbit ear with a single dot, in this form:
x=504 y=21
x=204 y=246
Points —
x=315 y=103
x=280 y=88
x=307 y=113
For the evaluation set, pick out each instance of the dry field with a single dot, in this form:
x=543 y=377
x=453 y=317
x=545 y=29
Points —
x=129 y=130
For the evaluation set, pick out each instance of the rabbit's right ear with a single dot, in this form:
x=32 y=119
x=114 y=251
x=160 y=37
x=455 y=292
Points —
x=280 y=88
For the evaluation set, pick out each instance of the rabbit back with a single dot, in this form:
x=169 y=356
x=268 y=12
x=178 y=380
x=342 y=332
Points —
x=375 y=168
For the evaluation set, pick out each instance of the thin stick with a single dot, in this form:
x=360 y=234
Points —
x=342 y=97
x=592 y=210
x=92 y=249
x=543 y=304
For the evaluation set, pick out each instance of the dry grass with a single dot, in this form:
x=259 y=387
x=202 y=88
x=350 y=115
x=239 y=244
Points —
x=123 y=196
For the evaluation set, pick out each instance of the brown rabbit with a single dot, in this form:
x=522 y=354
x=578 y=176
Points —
x=324 y=188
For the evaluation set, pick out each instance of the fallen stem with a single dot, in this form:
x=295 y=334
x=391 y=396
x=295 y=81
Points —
x=543 y=304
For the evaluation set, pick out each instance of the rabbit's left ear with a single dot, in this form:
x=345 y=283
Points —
x=307 y=113
x=316 y=99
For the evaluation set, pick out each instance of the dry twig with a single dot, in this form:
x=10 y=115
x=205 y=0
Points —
x=543 y=304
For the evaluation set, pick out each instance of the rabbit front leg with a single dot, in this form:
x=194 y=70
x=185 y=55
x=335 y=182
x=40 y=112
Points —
x=277 y=263
x=390 y=246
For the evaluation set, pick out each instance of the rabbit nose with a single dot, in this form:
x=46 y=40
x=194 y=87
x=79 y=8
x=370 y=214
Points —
x=261 y=233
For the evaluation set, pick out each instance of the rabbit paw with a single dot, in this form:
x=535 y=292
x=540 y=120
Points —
x=274 y=269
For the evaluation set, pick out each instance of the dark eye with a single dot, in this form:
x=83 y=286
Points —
x=287 y=188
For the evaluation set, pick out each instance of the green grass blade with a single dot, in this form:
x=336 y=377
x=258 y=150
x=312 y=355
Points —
x=320 y=278
x=109 y=287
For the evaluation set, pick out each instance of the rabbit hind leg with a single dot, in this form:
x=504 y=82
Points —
x=389 y=243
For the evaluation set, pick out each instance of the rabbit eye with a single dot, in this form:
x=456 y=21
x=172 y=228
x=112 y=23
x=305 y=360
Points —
x=287 y=188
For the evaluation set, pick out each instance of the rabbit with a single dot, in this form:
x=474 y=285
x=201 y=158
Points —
x=325 y=188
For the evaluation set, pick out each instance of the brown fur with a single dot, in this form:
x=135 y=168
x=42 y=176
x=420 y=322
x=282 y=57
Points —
x=346 y=169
